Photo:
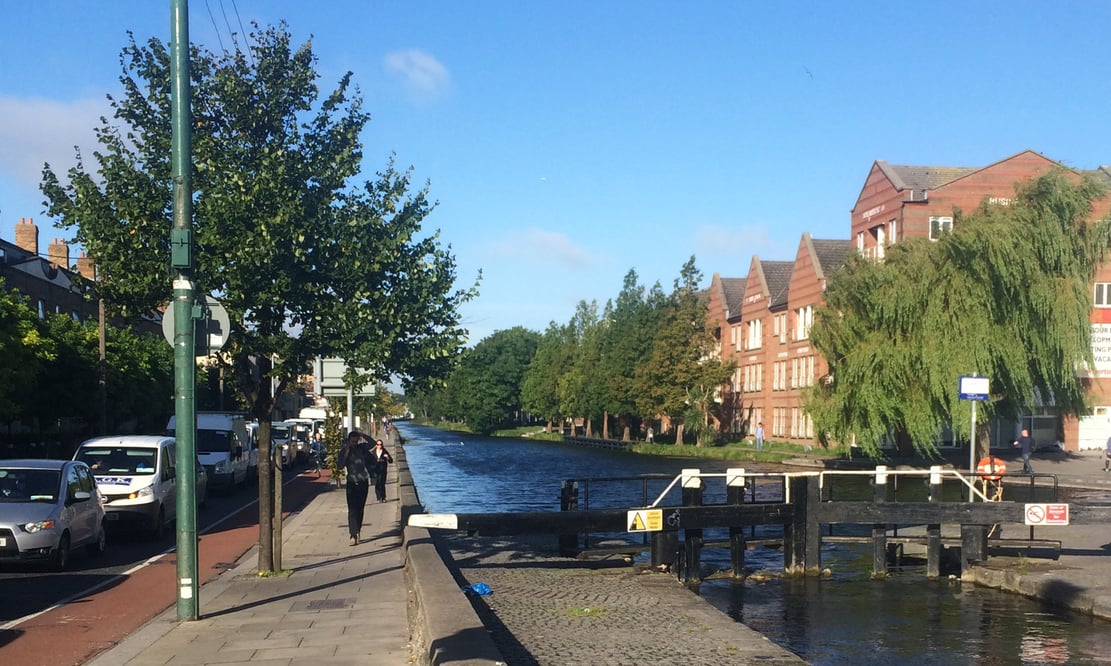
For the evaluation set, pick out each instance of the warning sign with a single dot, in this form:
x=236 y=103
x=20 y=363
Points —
x=1047 y=514
x=646 y=520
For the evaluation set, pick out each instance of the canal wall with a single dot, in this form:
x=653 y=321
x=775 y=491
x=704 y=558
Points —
x=444 y=627
x=548 y=609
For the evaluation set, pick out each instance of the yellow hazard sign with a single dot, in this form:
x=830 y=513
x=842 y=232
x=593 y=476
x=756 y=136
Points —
x=646 y=520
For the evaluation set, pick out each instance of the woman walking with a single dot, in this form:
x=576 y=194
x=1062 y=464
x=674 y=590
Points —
x=355 y=457
x=381 y=460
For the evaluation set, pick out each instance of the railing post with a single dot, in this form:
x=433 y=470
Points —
x=735 y=494
x=800 y=533
x=692 y=538
x=879 y=530
x=974 y=546
x=933 y=530
x=569 y=501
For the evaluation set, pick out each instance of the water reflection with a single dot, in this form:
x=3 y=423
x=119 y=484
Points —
x=846 y=619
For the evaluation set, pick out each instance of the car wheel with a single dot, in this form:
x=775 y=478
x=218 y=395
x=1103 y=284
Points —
x=96 y=548
x=61 y=553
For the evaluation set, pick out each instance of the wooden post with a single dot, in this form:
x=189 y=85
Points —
x=795 y=531
x=974 y=546
x=569 y=501
x=692 y=538
x=933 y=530
x=735 y=494
x=879 y=530
x=665 y=547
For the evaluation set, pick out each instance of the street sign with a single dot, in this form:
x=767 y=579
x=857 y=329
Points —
x=645 y=520
x=210 y=333
x=332 y=371
x=973 y=388
x=1047 y=514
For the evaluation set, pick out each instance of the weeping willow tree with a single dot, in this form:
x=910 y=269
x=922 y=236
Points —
x=1006 y=295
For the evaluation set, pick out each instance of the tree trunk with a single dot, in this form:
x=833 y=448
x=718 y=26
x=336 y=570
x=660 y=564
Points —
x=588 y=428
x=679 y=434
x=605 y=425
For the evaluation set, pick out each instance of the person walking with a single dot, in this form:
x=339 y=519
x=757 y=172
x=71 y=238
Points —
x=381 y=461
x=760 y=436
x=355 y=457
x=1107 y=456
x=1026 y=442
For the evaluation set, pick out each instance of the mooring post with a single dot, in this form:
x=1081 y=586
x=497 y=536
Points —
x=798 y=532
x=569 y=501
x=933 y=530
x=692 y=538
x=879 y=530
x=974 y=546
x=735 y=494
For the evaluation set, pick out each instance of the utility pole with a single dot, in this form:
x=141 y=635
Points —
x=184 y=311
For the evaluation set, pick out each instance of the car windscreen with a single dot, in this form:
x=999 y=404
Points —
x=279 y=433
x=133 y=461
x=29 y=485
x=213 y=441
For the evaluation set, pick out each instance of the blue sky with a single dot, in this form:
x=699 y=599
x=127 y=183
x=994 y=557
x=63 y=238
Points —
x=568 y=142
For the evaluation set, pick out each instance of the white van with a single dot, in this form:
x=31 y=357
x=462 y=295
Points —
x=221 y=444
x=137 y=476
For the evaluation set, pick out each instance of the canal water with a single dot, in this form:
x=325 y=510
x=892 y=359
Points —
x=847 y=618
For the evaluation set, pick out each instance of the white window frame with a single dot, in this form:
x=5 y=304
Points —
x=755 y=335
x=1101 y=295
x=940 y=225
x=804 y=319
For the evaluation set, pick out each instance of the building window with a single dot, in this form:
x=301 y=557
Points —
x=860 y=242
x=1103 y=295
x=755 y=335
x=940 y=226
x=804 y=319
x=892 y=227
x=42 y=309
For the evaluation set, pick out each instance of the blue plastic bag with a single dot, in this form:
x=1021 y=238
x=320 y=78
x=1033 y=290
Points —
x=481 y=589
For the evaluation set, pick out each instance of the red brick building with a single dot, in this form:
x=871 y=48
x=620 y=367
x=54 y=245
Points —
x=50 y=284
x=770 y=342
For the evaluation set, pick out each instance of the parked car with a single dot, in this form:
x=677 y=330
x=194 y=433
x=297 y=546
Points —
x=281 y=439
x=48 y=508
x=137 y=475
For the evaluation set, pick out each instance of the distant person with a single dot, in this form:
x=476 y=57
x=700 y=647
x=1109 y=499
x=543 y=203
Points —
x=355 y=457
x=1026 y=443
x=381 y=461
x=759 y=436
x=648 y=435
x=1107 y=456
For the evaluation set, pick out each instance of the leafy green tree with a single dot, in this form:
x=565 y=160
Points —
x=581 y=386
x=24 y=350
x=540 y=386
x=631 y=326
x=681 y=360
x=308 y=261
x=1005 y=295
x=490 y=375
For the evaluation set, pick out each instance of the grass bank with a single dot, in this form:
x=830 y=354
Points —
x=773 y=452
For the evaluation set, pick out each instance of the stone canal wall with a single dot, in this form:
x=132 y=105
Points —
x=545 y=609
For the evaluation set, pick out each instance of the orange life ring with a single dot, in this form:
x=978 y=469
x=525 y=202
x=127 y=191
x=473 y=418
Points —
x=991 y=468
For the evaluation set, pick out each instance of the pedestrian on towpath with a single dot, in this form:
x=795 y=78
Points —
x=381 y=460
x=760 y=436
x=1026 y=442
x=355 y=457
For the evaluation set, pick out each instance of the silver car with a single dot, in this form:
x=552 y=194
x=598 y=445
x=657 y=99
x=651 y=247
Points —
x=48 y=508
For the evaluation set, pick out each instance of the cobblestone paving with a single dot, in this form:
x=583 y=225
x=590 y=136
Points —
x=547 y=610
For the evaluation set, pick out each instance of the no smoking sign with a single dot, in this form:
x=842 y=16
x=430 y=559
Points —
x=1047 y=514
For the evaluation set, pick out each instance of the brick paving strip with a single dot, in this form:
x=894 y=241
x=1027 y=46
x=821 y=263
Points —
x=547 y=610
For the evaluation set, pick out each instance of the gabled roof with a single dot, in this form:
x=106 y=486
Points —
x=733 y=292
x=922 y=177
x=777 y=278
x=829 y=253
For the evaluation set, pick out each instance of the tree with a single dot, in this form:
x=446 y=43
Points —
x=1006 y=294
x=23 y=351
x=631 y=326
x=490 y=375
x=681 y=360
x=307 y=261
x=581 y=385
x=540 y=385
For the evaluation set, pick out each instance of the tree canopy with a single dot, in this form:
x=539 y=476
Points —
x=1005 y=295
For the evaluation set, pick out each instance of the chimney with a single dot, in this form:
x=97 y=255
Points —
x=58 y=252
x=86 y=267
x=27 y=235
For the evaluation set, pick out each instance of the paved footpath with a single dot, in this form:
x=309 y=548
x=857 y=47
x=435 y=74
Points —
x=339 y=605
